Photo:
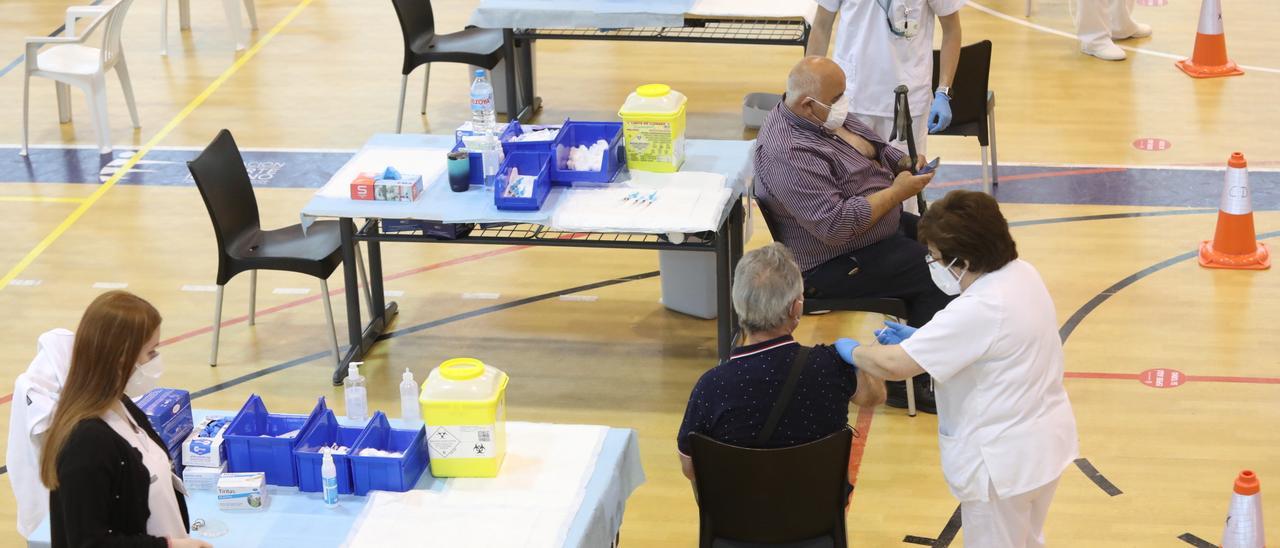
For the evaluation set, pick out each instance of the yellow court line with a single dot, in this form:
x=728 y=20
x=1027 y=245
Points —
x=164 y=132
x=57 y=199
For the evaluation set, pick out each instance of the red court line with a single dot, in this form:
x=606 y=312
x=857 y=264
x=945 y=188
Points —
x=291 y=304
x=1245 y=380
x=1029 y=176
x=1083 y=375
x=863 y=428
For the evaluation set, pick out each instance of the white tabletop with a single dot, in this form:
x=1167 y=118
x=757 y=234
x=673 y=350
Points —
x=629 y=13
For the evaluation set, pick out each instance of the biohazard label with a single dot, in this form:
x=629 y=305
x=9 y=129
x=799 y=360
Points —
x=461 y=442
x=1162 y=378
x=1235 y=196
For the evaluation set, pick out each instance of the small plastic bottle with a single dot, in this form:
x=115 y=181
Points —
x=410 y=409
x=329 y=479
x=357 y=398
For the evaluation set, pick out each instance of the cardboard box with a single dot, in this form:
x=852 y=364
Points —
x=363 y=186
x=243 y=491
x=203 y=477
x=204 y=446
x=371 y=186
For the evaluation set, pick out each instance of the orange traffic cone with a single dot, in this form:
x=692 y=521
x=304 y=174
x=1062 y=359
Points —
x=1234 y=244
x=1244 y=518
x=1209 y=58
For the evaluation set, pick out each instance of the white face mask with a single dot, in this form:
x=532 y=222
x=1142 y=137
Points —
x=836 y=112
x=145 y=378
x=942 y=276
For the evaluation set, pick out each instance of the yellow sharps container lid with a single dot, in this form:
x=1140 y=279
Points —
x=461 y=369
x=653 y=90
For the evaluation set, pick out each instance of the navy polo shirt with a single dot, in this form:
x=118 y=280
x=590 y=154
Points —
x=732 y=401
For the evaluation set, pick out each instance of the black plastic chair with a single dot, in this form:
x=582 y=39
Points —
x=243 y=245
x=422 y=46
x=973 y=105
x=793 y=496
x=893 y=308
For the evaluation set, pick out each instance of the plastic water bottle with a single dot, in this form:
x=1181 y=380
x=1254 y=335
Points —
x=484 y=121
x=329 y=479
x=357 y=398
x=410 y=409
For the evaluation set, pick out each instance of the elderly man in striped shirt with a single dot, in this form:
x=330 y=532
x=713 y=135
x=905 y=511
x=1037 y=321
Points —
x=834 y=191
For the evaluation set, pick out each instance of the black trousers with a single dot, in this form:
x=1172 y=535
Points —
x=891 y=268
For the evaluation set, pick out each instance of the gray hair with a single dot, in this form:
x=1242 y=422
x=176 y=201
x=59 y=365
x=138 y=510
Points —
x=803 y=82
x=765 y=284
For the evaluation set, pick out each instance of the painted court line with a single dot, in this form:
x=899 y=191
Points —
x=481 y=296
x=42 y=199
x=24 y=283
x=159 y=136
x=291 y=291
x=110 y=285
x=1030 y=176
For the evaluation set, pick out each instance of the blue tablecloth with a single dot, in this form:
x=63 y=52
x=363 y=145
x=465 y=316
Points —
x=302 y=520
x=728 y=158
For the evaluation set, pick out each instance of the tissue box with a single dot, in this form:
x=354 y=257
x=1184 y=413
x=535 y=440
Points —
x=202 y=477
x=371 y=186
x=204 y=446
x=169 y=411
x=245 y=491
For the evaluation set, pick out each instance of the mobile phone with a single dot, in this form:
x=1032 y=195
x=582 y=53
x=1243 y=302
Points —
x=929 y=167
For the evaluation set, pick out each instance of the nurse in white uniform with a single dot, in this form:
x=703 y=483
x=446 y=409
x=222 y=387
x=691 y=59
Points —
x=886 y=43
x=1005 y=426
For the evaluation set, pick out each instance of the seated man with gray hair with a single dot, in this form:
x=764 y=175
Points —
x=732 y=402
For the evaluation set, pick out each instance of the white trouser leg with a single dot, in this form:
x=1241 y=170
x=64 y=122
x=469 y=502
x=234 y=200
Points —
x=1014 y=522
x=1121 y=18
x=1092 y=22
x=883 y=126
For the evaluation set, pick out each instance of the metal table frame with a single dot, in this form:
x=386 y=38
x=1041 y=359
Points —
x=726 y=243
x=517 y=46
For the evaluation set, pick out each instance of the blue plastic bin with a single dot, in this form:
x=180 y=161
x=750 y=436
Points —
x=476 y=171
x=533 y=146
x=324 y=432
x=587 y=133
x=385 y=473
x=525 y=163
x=252 y=445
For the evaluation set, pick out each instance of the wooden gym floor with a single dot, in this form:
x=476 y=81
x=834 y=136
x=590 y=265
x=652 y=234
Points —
x=1111 y=228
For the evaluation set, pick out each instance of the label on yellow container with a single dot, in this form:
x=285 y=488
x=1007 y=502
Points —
x=651 y=142
x=461 y=442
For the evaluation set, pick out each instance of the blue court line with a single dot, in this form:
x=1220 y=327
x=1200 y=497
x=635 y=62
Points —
x=23 y=57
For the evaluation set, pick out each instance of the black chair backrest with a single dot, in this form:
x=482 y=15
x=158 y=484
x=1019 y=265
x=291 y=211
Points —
x=772 y=495
x=417 y=24
x=224 y=184
x=969 y=91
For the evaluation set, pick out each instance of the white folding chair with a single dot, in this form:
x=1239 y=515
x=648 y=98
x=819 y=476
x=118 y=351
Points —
x=71 y=62
x=230 y=7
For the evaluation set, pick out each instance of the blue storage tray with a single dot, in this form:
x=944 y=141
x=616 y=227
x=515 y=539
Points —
x=526 y=163
x=475 y=173
x=248 y=451
x=384 y=473
x=586 y=133
x=324 y=432
x=532 y=146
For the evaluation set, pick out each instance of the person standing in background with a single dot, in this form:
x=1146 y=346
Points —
x=1099 y=22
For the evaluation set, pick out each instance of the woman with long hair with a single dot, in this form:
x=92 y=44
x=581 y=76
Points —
x=109 y=476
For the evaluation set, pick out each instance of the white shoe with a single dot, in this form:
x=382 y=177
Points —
x=1141 y=30
x=1106 y=52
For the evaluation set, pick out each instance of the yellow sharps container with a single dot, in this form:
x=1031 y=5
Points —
x=464 y=406
x=653 y=121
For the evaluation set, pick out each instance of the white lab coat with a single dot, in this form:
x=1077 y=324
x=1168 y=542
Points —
x=1005 y=424
x=35 y=394
x=875 y=61
x=1098 y=20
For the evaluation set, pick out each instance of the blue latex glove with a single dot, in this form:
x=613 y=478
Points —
x=845 y=347
x=393 y=174
x=894 y=333
x=940 y=112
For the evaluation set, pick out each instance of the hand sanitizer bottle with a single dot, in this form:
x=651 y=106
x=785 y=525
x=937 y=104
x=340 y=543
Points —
x=410 y=409
x=357 y=399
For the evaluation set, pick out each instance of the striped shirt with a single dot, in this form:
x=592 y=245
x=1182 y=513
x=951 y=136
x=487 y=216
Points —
x=815 y=186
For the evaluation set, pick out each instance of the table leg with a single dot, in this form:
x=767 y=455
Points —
x=514 y=106
x=737 y=228
x=528 y=79
x=362 y=336
x=724 y=276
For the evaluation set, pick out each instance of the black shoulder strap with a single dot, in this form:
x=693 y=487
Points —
x=784 y=397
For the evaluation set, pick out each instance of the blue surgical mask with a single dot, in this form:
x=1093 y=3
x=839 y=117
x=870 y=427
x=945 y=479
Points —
x=947 y=281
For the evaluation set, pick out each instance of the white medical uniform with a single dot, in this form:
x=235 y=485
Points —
x=1097 y=21
x=1005 y=426
x=35 y=394
x=166 y=516
x=875 y=61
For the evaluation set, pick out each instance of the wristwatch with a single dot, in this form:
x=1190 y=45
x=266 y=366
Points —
x=946 y=90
